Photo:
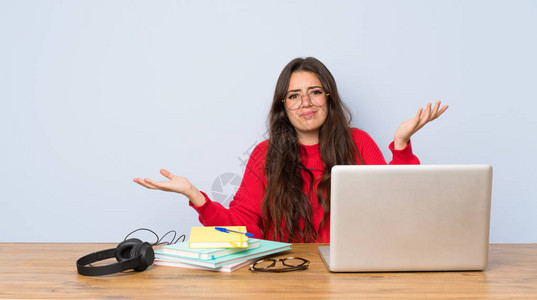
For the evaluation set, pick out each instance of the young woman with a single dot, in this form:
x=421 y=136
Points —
x=285 y=191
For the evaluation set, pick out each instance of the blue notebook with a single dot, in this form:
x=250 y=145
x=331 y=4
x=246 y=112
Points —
x=265 y=248
x=182 y=249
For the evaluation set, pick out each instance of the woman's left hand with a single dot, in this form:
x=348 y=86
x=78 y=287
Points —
x=411 y=126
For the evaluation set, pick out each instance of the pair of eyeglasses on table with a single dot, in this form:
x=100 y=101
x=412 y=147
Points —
x=289 y=264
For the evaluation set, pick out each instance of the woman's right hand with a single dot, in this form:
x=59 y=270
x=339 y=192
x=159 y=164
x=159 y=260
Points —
x=176 y=184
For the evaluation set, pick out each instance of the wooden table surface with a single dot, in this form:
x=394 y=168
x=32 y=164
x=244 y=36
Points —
x=47 y=270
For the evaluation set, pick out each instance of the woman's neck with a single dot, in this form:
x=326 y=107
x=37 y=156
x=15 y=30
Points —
x=309 y=139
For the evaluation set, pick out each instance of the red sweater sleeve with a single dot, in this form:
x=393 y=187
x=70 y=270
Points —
x=372 y=155
x=245 y=208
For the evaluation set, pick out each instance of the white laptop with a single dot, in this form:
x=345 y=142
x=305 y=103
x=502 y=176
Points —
x=409 y=218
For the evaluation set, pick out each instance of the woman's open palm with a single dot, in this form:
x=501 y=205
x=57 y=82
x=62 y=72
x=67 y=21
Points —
x=411 y=126
x=175 y=183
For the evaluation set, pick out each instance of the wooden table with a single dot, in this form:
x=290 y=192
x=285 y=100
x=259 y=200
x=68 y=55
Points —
x=29 y=270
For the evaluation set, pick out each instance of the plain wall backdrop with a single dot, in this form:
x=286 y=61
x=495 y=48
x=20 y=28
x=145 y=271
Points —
x=96 y=93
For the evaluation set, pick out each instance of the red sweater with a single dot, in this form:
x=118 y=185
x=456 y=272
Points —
x=245 y=208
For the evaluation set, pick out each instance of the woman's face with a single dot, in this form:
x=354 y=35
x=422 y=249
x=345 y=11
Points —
x=309 y=116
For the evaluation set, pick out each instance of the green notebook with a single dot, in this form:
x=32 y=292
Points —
x=182 y=249
x=265 y=248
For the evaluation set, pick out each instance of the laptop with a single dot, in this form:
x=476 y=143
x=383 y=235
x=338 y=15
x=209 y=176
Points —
x=409 y=218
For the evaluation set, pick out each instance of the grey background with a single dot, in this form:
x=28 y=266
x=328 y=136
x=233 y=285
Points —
x=96 y=93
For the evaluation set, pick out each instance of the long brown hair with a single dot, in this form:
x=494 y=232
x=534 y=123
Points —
x=286 y=208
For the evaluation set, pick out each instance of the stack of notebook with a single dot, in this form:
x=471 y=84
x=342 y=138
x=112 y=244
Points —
x=213 y=250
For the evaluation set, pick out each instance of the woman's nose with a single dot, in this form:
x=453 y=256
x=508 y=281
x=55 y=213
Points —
x=306 y=100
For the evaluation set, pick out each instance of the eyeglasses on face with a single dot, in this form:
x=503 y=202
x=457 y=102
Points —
x=316 y=96
x=288 y=264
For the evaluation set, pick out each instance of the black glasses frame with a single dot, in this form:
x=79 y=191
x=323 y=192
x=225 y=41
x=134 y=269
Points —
x=288 y=267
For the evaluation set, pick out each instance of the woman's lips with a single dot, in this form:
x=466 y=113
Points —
x=308 y=114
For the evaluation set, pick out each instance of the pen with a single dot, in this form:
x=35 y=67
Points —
x=226 y=230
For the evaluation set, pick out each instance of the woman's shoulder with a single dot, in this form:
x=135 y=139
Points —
x=359 y=134
x=361 y=138
x=260 y=151
x=262 y=147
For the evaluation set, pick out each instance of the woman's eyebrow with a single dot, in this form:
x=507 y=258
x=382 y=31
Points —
x=309 y=88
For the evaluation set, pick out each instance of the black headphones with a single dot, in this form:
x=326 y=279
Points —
x=130 y=254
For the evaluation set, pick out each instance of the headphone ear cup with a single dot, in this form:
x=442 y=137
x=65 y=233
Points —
x=135 y=250
x=124 y=249
x=147 y=255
